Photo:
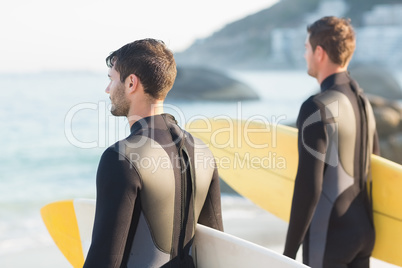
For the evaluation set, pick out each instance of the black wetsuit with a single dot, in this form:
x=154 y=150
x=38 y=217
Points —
x=331 y=209
x=152 y=188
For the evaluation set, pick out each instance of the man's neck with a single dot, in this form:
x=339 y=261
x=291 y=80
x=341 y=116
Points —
x=144 y=109
x=330 y=70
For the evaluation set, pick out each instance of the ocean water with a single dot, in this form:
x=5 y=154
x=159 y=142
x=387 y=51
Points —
x=55 y=126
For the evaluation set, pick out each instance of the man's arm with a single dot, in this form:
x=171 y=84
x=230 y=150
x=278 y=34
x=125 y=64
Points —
x=117 y=184
x=211 y=213
x=312 y=139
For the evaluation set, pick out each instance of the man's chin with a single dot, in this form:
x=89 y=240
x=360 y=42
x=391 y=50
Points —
x=116 y=112
x=311 y=73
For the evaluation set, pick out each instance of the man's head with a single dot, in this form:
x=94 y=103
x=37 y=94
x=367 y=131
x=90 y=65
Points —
x=150 y=61
x=334 y=36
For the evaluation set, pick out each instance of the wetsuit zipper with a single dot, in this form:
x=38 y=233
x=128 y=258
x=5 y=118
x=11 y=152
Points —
x=364 y=134
x=183 y=207
x=184 y=201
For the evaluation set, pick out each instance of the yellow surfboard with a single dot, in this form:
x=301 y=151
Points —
x=69 y=223
x=259 y=160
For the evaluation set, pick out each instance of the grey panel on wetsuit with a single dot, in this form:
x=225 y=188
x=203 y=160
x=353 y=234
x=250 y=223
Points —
x=339 y=110
x=335 y=183
x=204 y=168
x=144 y=253
x=337 y=178
x=158 y=184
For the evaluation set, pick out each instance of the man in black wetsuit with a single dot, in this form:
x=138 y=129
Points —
x=155 y=185
x=331 y=209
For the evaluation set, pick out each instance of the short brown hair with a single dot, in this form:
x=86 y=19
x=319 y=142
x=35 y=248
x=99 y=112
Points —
x=336 y=36
x=151 y=61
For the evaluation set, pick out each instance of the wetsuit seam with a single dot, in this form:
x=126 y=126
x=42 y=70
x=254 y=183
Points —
x=328 y=199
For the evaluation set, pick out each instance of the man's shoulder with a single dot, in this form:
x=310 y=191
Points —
x=325 y=98
x=124 y=146
x=113 y=152
x=312 y=108
x=311 y=104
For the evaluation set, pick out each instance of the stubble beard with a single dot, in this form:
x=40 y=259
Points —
x=120 y=104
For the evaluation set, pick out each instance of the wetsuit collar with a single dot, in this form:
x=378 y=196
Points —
x=149 y=122
x=335 y=79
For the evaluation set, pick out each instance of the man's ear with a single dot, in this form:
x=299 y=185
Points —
x=132 y=82
x=320 y=53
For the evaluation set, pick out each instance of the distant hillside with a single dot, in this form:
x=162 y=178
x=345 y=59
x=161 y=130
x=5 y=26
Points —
x=246 y=43
x=358 y=7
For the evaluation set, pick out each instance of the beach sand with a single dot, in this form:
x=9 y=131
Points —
x=241 y=218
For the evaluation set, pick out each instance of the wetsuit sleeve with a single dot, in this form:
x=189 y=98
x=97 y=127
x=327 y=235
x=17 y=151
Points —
x=117 y=184
x=312 y=139
x=211 y=213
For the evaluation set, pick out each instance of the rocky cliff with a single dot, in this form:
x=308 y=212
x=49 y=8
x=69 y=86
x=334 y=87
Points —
x=247 y=43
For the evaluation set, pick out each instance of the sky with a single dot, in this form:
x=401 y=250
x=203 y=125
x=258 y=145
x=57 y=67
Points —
x=49 y=35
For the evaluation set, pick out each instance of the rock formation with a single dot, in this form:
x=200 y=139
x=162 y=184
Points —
x=388 y=115
x=202 y=84
x=377 y=80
